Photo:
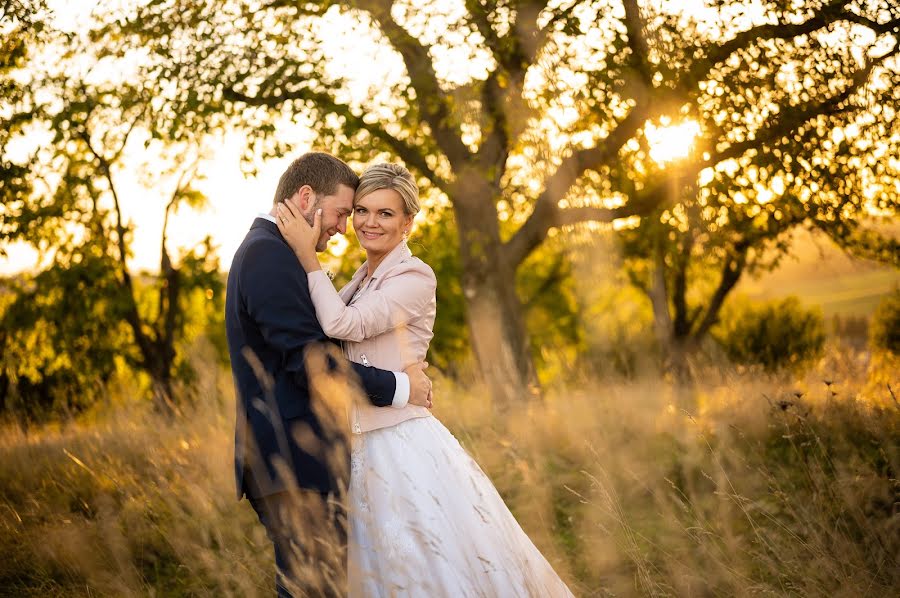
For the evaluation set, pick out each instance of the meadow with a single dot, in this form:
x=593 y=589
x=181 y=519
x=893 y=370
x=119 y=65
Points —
x=743 y=484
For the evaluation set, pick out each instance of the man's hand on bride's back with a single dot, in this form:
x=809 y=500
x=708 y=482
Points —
x=419 y=385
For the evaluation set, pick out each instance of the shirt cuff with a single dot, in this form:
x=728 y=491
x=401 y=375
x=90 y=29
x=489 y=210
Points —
x=401 y=394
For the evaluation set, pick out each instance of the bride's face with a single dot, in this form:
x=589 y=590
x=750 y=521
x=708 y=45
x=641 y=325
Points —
x=379 y=221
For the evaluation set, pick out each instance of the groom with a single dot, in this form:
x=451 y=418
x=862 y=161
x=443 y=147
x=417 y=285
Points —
x=284 y=449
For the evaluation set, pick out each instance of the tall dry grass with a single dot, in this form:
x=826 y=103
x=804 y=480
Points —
x=742 y=485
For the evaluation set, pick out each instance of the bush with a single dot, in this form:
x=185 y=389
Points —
x=59 y=340
x=775 y=334
x=884 y=332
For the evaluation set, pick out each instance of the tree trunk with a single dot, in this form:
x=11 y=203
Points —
x=658 y=292
x=499 y=339
x=164 y=394
x=156 y=359
x=678 y=355
x=494 y=310
x=157 y=362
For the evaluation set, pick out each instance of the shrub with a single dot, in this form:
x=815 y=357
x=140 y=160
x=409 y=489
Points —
x=775 y=334
x=884 y=332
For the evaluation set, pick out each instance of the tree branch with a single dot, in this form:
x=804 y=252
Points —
x=542 y=35
x=479 y=18
x=184 y=180
x=410 y=154
x=501 y=91
x=547 y=214
x=637 y=282
x=131 y=127
x=637 y=43
x=304 y=8
x=731 y=273
x=717 y=53
x=494 y=150
x=106 y=170
x=681 y=322
x=168 y=295
x=556 y=275
x=528 y=38
x=788 y=119
x=879 y=28
x=431 y=98
x=832 y=12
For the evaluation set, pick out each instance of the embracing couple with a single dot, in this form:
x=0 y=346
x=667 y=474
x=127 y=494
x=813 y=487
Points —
x=418 y=517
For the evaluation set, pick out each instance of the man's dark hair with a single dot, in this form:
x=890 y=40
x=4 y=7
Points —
x=323 y=172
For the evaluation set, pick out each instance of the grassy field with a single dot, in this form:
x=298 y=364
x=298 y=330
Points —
x=824 y=276
x=744 y=485
x=844 y=294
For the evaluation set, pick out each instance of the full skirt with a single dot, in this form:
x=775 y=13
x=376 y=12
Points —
x=426 y=521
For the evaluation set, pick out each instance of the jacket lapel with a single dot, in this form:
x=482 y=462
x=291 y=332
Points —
x=347 y=292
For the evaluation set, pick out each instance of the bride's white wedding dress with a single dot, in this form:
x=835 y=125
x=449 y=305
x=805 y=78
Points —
x=425 y=521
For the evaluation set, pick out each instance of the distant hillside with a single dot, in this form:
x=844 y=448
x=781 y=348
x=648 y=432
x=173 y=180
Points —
x=821 y=274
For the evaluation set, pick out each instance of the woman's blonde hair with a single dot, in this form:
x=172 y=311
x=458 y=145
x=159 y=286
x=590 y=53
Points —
x=390 y=176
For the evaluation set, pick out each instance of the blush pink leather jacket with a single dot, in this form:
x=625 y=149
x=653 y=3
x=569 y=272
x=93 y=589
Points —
x=386 y=323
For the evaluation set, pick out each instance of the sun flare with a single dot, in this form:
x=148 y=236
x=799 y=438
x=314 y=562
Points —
x=671 y=142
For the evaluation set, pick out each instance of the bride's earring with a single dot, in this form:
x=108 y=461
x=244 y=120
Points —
x=405 y=234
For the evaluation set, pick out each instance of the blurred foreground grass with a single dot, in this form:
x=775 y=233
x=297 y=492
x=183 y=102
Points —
x=742 y=485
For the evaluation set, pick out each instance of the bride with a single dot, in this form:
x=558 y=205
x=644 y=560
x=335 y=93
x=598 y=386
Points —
x=424 y=519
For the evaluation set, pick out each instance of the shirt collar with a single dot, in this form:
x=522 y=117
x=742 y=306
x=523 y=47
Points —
x=268 y=217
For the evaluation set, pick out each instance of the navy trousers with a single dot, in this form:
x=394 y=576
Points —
x=309 y=533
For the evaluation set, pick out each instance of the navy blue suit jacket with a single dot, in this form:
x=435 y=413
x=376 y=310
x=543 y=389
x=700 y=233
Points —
x=269 y=313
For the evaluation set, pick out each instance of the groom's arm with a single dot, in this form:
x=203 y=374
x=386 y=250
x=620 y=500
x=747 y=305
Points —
x=384 y=389
x=276 y=295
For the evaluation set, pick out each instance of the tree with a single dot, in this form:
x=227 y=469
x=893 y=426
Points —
x=547 y=127
x=64 y=198
x=821 y=166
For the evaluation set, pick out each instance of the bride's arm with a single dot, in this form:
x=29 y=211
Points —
x=406 y=293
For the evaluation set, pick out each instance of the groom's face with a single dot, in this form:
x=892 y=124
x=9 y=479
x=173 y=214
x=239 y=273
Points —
x=335 y=211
